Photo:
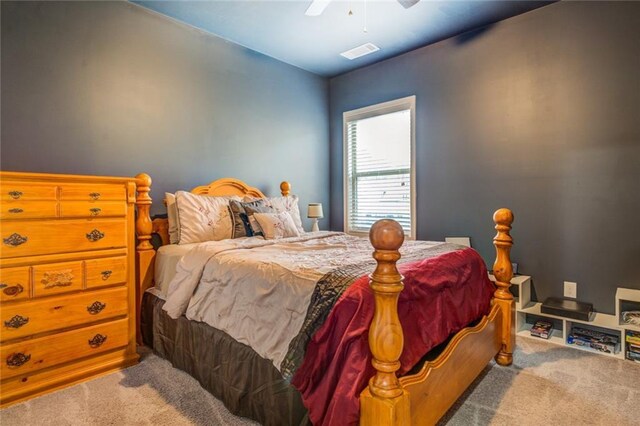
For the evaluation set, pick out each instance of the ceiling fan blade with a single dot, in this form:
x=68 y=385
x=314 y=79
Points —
x=317 y=7
x=408 y=3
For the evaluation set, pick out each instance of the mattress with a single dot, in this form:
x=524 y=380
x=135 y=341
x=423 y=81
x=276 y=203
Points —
x=167 y=257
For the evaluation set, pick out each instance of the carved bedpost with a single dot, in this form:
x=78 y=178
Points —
x=384 y=401
x=285 y=188
x=503 y=272
x=145 y=253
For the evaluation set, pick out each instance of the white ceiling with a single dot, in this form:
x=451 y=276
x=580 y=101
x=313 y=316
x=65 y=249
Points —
x=281 y=29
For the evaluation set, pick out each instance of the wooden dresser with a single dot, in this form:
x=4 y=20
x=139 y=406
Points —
x=67 y=280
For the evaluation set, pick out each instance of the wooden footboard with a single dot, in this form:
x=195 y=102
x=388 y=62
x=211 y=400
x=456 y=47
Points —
x=441 y=382
x=423 y=398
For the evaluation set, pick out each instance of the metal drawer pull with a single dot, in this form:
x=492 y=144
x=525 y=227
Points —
x=96 y=307
x=106 y=275
x=95 y=235
x=97 y=340
x=11 y=290
x=16 y=322
x=15 y=240
x=95 y=211
x=15 y=210
x=15 y=194
x=17 y=359
x=94 y=195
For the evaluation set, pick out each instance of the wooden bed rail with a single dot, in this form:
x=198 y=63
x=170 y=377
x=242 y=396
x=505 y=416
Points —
x=426 y=396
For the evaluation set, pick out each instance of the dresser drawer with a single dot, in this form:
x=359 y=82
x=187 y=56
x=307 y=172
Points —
x=93 y=192
x=44 y=352
x=108 y=271
x=28 y=238
x=14 y=283
x=53 y=278
x=27 y=191
x=39 y=316
x=28 y=209
x=92 y=208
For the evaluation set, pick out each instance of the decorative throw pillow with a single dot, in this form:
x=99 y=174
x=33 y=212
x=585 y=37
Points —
x=253 y=208
x=240 y=217
x=255 y=227
x=203 y=217
x=172 y=216
x=277 y=225
x=288 y=204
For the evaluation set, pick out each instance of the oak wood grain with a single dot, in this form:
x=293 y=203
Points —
x=423 y=398
x=92 y=209
x=55 y=236
x=28 y=209
x=61 y=328
x=62 y=312
x=15 y=283
x=106 y=271
x=49 y=351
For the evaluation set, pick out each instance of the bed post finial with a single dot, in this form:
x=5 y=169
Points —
x=384 y=401
x=285 y=188
x=145 y=253
x=503 y=272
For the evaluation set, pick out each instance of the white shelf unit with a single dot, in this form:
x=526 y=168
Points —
x=528 y=311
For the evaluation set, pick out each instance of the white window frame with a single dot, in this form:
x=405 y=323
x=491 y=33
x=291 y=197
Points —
x=372 y=111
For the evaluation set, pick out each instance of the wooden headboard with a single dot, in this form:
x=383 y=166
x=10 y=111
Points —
x=145 y=226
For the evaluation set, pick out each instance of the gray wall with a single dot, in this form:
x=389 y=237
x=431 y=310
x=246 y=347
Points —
x=109 y=88
x=539 y=113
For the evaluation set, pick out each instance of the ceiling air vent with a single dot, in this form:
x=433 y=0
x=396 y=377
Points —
x=359 y=51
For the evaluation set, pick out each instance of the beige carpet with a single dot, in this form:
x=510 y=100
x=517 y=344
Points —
x=547 y=384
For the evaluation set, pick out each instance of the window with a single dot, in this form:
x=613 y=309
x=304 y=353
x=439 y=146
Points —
x=379 y=171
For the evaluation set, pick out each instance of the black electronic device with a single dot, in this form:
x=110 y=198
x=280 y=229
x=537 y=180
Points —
x=567 y=308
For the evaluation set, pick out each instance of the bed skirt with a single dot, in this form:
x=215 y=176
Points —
x=247 y=384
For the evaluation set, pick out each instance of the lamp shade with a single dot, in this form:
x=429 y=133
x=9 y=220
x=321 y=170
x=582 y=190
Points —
x=315 y=211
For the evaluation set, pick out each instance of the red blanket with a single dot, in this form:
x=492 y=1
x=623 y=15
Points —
x=441 y=296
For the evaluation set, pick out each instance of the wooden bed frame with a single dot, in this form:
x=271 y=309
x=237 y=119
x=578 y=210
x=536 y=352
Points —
x=420 y=399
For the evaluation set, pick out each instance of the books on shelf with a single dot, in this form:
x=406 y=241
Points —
x=596 y=340
x=542 y=329
x=633 y=337
x=633 y=345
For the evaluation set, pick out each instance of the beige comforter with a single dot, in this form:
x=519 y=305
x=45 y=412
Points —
x=258 y=291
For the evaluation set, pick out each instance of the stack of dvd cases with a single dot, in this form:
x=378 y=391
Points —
x=595 y=340
x=633 y=345
x=542 y=329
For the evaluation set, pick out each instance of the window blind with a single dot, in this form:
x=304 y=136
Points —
x=378 y=170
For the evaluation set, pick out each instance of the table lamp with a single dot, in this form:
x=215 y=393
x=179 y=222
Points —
x=314 y=212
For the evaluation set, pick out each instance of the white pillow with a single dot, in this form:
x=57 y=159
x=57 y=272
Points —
x=276 y=225
x=172 y=217
x=288 y=204
x=203 y=217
